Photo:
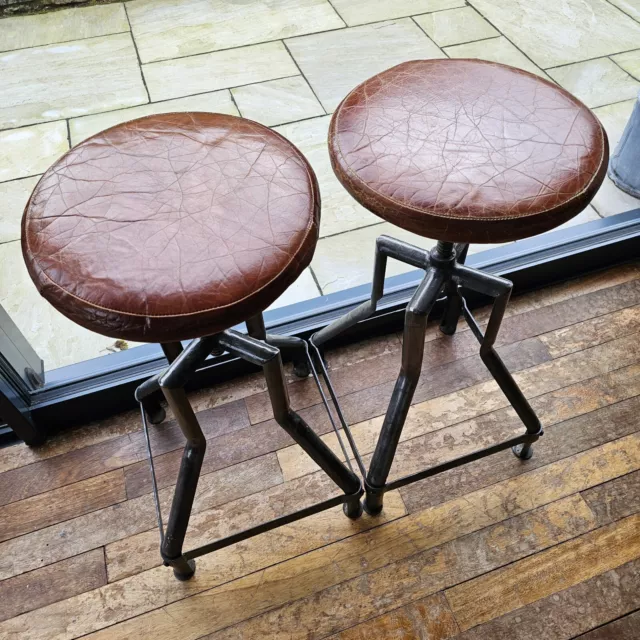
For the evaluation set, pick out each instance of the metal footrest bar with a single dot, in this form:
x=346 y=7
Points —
x=260 y=352
x=266 y=526
x=466 y=459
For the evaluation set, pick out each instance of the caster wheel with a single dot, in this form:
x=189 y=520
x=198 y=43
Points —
x=157 y=416
x=352 y=511
x=448 y=331
x=301 y=369
x=183 y=577
x=522 y=451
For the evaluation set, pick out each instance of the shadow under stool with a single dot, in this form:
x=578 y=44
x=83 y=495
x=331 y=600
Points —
x=460 y=151
x=174 y=228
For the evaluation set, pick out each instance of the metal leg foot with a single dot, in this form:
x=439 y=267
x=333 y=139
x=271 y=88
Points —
x=353 y=508
x=374 y=500
x=522 y=451
x=183 y=569
x=301 y=368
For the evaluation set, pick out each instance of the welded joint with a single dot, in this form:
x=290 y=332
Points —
x=180 y=370
x=402 y=251
x=246 y=347
x=480 y=281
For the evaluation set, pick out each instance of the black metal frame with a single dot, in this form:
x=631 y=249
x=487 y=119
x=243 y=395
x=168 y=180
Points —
x=445 y=272
x=261 y=349
x=102 y=386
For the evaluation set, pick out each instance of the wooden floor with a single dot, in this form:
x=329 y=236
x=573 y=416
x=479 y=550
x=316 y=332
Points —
x=499 y=549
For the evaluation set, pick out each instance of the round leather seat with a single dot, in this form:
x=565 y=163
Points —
x=172 y=226
x=467 y=150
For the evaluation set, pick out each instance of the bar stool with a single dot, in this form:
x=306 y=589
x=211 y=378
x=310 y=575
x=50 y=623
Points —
x=459 y=151
x=178 y=227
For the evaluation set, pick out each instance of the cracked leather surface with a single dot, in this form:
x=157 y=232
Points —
x=172 y=226
x=467 y=150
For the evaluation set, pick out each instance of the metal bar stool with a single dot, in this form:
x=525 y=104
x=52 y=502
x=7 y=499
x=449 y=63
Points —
x=178 y=227
x=460 y=151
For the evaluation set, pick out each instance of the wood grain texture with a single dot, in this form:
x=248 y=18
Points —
x=97 y=459
x=464 y=516
x=575 y=351
x=462 y=345
x=567 y=374
x=567 y=613
x=426 y=619
x=592 y=332
x=352 y=601
x=224 y=451
x=559 y=441
x=615 y=499
x=51 y=584
x=149 y=590
x=21 y=455
x=75 y=536
x=129 y=518
x=68 y=468
x=59 y=505
x=626 y=628
x=138 y=552
x=531 y=579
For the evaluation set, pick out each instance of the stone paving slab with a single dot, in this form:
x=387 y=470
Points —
x=69 y=74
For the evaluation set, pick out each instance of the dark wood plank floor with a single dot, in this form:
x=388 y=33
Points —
x=498 y=549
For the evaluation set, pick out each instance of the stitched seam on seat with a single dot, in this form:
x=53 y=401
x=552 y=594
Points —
x=366 y=187
x=193 y=313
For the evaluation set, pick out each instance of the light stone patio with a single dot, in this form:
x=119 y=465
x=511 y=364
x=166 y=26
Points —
x=68 y=74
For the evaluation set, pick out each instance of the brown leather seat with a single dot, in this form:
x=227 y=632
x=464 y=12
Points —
x=172 y=226
x=467 y=150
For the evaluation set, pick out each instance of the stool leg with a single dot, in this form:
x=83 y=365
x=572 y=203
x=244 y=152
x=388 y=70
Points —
x=307 y=438
x=172 y=350
x=301 y=432
x=384 y=247
x=412 y=354
x=186 y=486
x=453 y=305
x=493 y=362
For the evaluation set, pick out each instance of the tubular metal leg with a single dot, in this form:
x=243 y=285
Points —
x=172 y=350
x=494 y=363
x=310 y=442
x=185 y=490
x=453 y=305
x=298 y=429
x=412 y=353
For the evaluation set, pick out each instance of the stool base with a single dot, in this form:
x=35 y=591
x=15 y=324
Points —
x=261 y=349
x=445 y=274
